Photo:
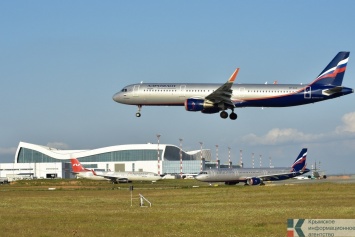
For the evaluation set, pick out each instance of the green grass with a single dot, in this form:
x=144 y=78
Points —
x=89 y=208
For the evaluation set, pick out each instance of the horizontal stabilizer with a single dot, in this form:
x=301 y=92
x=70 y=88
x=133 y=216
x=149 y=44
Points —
x=331 y=91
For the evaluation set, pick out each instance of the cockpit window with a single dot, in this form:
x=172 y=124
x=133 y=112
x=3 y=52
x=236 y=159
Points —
x=203 y=172
x=124 y=90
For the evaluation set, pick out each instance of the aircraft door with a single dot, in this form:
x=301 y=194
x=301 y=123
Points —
x=241 y=92
x=307 y=92
x=182 y=91
x=135 y=90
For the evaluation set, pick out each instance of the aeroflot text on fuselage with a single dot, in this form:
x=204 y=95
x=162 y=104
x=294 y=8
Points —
x=161 y=86
x=214 y=98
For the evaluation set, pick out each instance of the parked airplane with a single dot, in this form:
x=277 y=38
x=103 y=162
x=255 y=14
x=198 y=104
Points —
x=114 y=177
x=213 y=98
x=255 y=176
x=82 y=172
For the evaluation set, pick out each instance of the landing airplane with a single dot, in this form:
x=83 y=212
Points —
x=114 y=177
x=215 y=98
x=251 y=176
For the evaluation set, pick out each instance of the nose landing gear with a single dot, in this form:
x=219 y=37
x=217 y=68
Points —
x=138 y=114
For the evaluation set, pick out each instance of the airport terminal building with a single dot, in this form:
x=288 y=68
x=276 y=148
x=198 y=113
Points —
x=36 y=161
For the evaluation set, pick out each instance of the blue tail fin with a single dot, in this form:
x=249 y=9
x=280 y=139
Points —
x=300 y=162
x=333 y=73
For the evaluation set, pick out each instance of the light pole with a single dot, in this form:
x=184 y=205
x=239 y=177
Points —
x=241 y=158
x=252 y=159
x=201 y=143
x=158 y=136
x=217 y=156
x=180 y=139
x=229 y=157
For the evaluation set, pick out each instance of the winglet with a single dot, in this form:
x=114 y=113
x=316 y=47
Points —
x=93 y=172
x=234 y=75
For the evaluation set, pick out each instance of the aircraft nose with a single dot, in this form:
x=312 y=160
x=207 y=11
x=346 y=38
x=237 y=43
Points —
x=116 y=97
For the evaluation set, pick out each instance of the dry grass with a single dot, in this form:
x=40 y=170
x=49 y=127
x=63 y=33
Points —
x=86 y=208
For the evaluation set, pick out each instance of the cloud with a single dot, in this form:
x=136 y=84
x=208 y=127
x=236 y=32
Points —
x=278 y=136
x=348 y=125
x=58 y=145
x=8 y=150
x=281 y=136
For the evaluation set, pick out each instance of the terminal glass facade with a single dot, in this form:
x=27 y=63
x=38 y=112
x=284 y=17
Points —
x=126 y=155
x=173 y=153
x=32 y=156
x=188 y=167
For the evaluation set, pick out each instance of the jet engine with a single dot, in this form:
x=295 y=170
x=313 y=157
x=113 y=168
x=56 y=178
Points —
x=121 y=180
x=254 y=181
x=192 y=104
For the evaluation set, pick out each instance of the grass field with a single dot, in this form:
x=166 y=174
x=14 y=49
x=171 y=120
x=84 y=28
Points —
x=92 y=208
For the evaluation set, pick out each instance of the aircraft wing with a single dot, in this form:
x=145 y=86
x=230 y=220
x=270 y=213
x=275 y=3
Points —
x=113 y=178
x=222 y=96
x=280 y=176
x=116 y=179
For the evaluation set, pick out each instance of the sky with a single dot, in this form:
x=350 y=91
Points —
x=62 y=61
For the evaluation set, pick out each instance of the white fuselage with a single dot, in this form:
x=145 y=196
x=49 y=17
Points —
x=132 y=176
x=176 y=93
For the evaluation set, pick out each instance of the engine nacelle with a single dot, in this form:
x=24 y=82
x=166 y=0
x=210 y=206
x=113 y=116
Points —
x=254 y=181
x=123 y=180
x=197 y=104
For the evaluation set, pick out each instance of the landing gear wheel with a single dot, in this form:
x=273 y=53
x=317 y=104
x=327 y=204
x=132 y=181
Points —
x=233 y=116
x=223 y=114
x=138 y=114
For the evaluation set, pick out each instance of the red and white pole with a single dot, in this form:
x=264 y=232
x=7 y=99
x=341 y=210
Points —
x=201 y=143
x=217 y=156
x=180 y=157
x=158 y=136
x=229 y=157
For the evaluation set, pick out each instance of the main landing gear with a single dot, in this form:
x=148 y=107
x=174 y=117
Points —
x=232 y=116
x=138 y=114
